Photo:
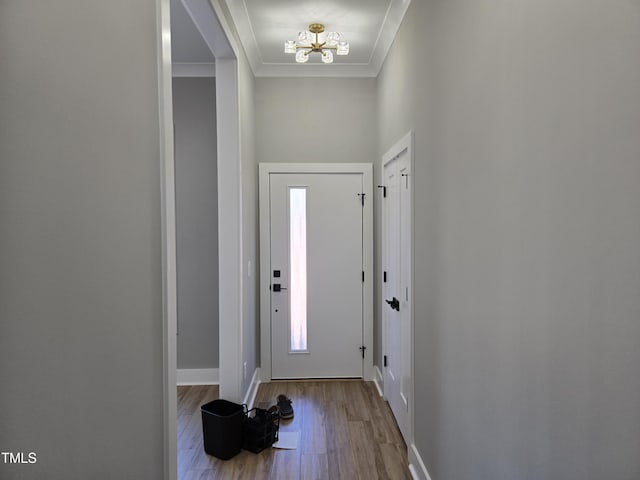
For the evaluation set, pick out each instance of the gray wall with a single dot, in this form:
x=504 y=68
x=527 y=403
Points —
x=319 y=120
x=527 y=311
x=80 y=251
x=194 y=116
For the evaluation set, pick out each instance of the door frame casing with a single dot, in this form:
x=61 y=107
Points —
x=405 y=144
x=217 y=33
x=209 y=19
x=265 y=170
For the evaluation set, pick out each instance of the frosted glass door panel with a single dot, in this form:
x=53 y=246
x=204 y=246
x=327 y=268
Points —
x=298 y=268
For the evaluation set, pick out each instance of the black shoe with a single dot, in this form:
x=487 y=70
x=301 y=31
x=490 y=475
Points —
x=284 y=405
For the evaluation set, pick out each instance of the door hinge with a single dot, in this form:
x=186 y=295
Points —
x=384 y=277
x=362 y=195
x=384 y=190
x=362 y=349
x=385 y=360
x=363 y=276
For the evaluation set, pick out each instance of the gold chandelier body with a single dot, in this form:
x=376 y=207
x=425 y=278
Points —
x=308 y=45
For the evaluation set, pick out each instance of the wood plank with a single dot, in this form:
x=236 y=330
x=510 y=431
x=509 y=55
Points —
x=392 y=457
x=315 y=467
x=286 y=465
x=341 y=457
x=313 y=438
x=365 y=451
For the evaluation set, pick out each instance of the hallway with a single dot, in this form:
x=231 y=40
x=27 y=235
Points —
x=346 y=432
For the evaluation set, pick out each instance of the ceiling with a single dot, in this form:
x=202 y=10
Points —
x=187 y=45
x=263 y=25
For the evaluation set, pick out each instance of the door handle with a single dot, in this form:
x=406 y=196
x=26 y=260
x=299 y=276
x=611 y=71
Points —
x=276 y=287
x=394 y=304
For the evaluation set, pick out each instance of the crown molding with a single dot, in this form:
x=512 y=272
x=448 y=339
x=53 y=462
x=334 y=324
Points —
x=390 y=26
x=193 y=70
x=388 y=30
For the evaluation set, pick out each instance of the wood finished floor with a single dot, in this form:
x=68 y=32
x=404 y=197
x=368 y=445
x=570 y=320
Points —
x=346 y=430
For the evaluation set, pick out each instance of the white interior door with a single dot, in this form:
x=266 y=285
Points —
x=316 y=258
x=396 y=308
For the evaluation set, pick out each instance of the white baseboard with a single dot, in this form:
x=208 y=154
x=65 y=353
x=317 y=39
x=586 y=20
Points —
x=250 y=396
x=197 y=376
x=416 y=465
x=377 y=379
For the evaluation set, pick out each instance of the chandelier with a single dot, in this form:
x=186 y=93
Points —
x=306 y=44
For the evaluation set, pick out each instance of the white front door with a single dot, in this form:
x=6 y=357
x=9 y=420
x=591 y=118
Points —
x=316 y=270
x=396 y=252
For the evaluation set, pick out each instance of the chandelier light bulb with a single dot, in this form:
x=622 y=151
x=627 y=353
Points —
x=332 y=39
x=343 y=48
x=305 y=37
x=302 y=56
x=327 y=56
x=290 y=46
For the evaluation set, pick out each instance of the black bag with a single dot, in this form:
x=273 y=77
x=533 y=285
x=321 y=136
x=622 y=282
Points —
x=260 y=429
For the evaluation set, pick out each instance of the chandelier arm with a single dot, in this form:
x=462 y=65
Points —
x=303 y=46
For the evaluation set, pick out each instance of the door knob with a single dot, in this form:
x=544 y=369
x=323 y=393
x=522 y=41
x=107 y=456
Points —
x=394 y=304
x=276 y=287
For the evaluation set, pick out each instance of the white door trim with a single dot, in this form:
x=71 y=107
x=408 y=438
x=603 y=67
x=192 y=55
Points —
x=210 y=22
x=218 y=36
x=265 y=169
x=405 y=144
x=168 y=219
